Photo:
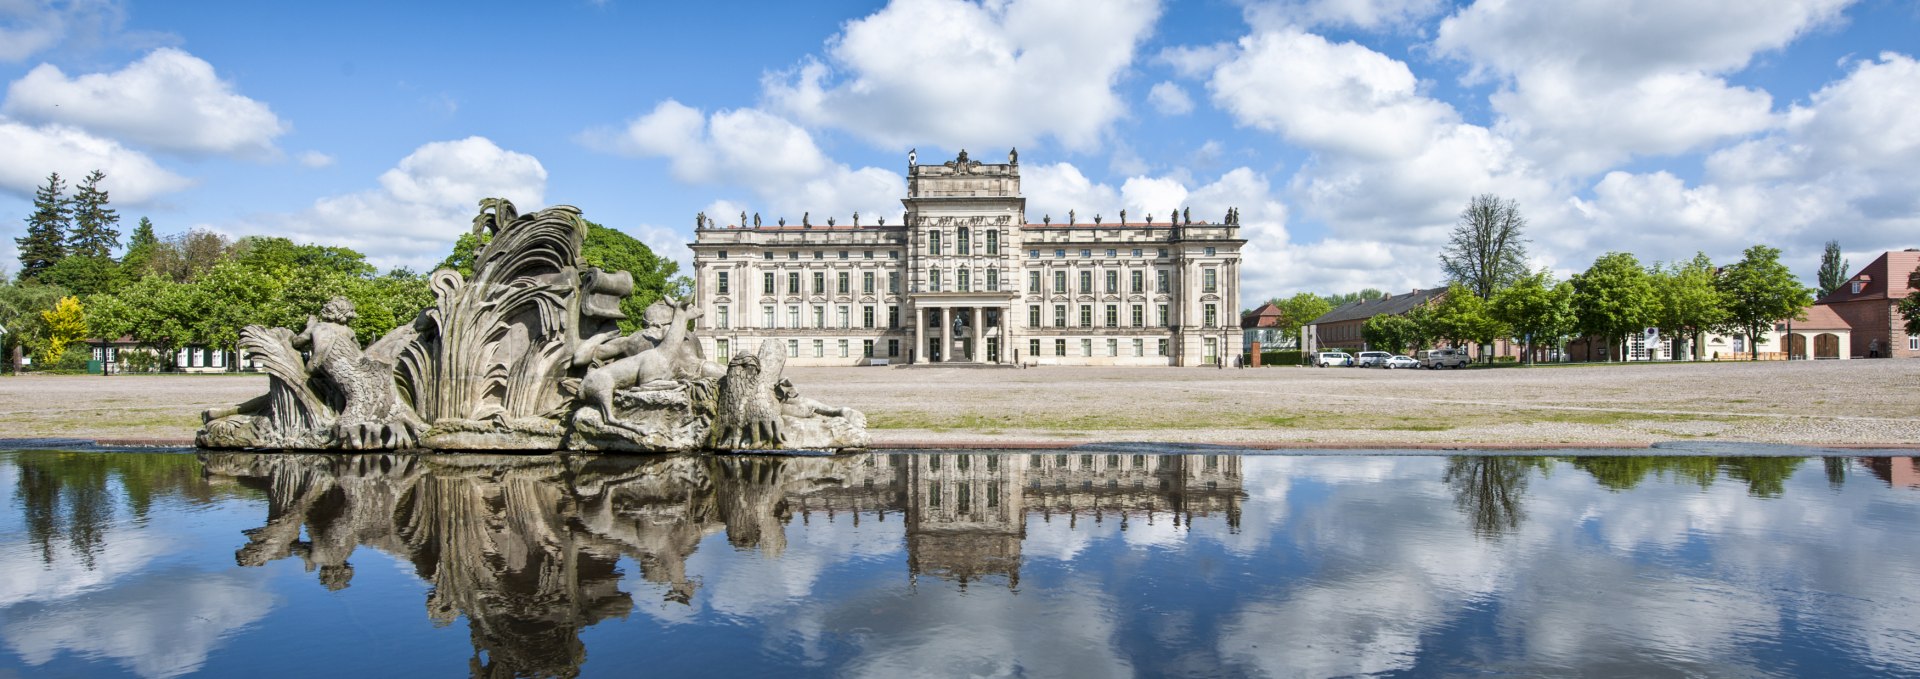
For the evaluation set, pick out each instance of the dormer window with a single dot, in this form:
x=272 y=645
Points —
x=1859 y=285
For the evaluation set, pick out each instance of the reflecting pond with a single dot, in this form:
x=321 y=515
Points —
x=1065 y=563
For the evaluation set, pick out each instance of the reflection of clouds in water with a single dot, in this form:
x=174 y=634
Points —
x=26 y=575
x=749 y=583
x=1589 y=575
x=158 y=626
x=1069 y=631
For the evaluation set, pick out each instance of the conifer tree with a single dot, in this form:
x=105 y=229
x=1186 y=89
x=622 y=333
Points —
x=46 y=239
x=95 y=226
x=140 y=247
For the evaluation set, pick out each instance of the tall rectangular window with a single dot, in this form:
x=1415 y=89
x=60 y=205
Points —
x=1113 y=282
x=1139 y=282
x=993 y=278
x=843 y=348
x=1059 y=315
x=722 y=287
x=1060 y=282
x=1160 y=281
x=933 y=242
x=1139 y=347
x=1113 y=347
x=993 y=242
x=866 y=348
x=1086 y=347
x=893 y=317
x=766 y=285
x=819 y=348
x=1059 y=347
x=1086 y=282
x=866 y=282
x=1212 y=316
x=721 y=349
x=964 y=279
x=1137 y=316
x=964 y=241
x=720 y=317
x=1209 y=280
x=1033 y=348
x=933 y=280
x=845 y=317
x=793 y=348
x=1033 y=316
x=893 y=347
x=1161 y=314
x=766 y=317
x=1033 y=282
x=893 y=282
x=1113 y=315
x=1160 y=348
x=843 y=284
x=793 y=284
x=866 y=317
x=819 y=317
x=793 y=317
x=1086 y=315
x=819 y=283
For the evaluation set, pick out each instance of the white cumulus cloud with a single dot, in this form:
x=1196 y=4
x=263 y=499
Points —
x=33 y=151
x=953 y=72
x=1170 y=99
x=420 y=207
x=168 y=100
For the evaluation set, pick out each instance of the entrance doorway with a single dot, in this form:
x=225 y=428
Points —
x=993 y=350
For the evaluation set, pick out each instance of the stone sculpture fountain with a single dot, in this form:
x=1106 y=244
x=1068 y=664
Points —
x=527 y=355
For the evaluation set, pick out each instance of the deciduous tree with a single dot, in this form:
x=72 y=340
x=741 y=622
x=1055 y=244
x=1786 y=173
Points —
x=1536 y=309
x=1488 y=248
x=1690 y=302
x=1614 y=297
x=1387 y=332
x=1460 y=317
x=66 y=323
x=1298 y=310
x=1760 y=291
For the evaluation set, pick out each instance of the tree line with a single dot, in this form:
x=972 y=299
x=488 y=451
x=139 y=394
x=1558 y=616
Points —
x=1491 y=293
x=200 y=288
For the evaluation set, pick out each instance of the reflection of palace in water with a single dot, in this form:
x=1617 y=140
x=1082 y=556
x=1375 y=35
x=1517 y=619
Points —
x=527 y=547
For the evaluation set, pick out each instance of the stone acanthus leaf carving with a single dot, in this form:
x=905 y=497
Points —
x=526 y=354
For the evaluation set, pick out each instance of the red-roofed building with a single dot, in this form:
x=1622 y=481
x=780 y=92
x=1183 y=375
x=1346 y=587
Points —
x=1869 y=304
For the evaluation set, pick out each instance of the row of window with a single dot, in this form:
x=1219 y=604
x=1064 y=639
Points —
x=818 y=254
x=1210 y=315
x=963 y=282
x=1087 y=253
x=841 y=348
x=1136 y=316
x=963 y=242
x=1137 y=348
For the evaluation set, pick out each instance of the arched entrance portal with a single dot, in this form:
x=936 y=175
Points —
x=1826 y=345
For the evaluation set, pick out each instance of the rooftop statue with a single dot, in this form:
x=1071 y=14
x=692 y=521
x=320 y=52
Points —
x=527 y=355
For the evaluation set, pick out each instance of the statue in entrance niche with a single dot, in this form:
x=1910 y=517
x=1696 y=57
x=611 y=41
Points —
x=526 y=354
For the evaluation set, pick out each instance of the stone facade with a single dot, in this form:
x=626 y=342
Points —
x=968 y=277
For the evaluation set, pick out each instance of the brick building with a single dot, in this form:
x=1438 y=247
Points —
x=1869 y=303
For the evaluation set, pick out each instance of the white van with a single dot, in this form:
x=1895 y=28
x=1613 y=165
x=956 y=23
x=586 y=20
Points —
x=1371 y=359
x=1444 y=358
x=1327 y=358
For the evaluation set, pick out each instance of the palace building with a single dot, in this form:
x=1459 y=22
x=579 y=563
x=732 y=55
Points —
x=968 y=277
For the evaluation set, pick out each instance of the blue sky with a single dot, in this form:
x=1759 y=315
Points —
x=1348 y=132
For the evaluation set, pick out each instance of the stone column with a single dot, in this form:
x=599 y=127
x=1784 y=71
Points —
x=979 y=335
x=920 y=334
x=946 y=333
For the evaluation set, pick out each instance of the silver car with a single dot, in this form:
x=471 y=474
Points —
x=1399 y=362
x=1371 y=359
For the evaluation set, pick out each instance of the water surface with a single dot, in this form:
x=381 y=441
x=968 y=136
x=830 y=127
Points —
x=1054 y=564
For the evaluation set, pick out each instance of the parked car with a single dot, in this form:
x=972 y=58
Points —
x=1444 y=358
x=1332 y=358
x=1371 y=359
x=1399 y=362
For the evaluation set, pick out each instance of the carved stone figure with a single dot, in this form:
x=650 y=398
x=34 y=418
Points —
x=1071 y=218
x=1188 y=216
x=913 y=157
x=756 y=220
x=743 y=217
x=758 y=408
x=1013 y=156
x=527 y=354
x=856 y=217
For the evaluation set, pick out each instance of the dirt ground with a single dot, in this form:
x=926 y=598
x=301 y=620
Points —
x=1859 y=402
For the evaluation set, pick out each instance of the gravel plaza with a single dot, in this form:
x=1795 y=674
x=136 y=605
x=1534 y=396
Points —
x=1849 y=403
